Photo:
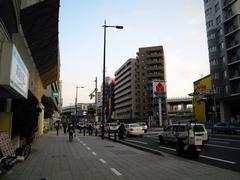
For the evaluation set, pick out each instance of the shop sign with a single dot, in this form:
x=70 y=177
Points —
x=14 y=75
x=19 y=74
x=159 y=88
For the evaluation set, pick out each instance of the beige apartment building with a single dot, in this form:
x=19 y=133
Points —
x=124 y=91
x=134 y=88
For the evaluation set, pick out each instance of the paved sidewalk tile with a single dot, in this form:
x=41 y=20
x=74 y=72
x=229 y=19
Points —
x=89 y=158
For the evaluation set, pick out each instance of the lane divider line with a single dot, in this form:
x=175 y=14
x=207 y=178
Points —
x=84 y=144
x=207 y=157
x=94 y=153
x=104 y=162
x=115 y=172
x=226 y=147
x=88 y=148
x=171 y=149
x=219 y=142
x=217 y=159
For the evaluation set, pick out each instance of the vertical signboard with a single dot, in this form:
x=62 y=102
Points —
x=159 y=91
x=19 y=74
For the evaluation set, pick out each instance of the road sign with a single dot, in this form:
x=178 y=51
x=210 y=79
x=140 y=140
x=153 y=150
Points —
x=159 y=88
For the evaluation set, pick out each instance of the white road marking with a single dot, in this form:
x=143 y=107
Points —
x=104 y=162
x=233 y=140
x=217 y=159
x=171 y=149
x=220 y=142
x=226 y=147
x=94 y=153
x=115 y=172
x=81 y=141
x=88 y=148
x=137 y=141
x=84 y=144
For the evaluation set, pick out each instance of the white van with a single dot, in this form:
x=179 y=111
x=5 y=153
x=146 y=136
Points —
x=169 y=133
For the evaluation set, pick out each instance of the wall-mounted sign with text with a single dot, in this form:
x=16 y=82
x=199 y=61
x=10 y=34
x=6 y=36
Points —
x=14 y=75
x=19 y=74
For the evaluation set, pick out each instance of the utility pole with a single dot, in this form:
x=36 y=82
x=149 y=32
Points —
x=96 y=90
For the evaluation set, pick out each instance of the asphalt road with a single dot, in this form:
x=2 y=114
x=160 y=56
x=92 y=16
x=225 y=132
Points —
x=219 y=152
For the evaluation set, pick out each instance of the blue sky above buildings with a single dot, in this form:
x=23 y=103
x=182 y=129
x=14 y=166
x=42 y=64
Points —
x=178 y=25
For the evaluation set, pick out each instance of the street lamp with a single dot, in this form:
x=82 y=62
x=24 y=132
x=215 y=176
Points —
x=104 y=57
x=77 y=87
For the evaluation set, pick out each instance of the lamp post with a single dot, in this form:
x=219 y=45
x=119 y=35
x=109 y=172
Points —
x=77 y=87
x=104 y=57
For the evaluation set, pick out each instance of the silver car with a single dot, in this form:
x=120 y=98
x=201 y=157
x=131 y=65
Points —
x=134 y=129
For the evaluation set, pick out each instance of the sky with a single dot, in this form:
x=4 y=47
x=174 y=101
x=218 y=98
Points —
x=177 y=25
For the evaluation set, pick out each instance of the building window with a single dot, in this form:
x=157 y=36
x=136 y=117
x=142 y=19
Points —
x=225 y=74
x=218 y=20
x=226 y=89
x=217 y=7
x=222 y=45
x=215 y=76
x=223 y=59
x=212 y=49
x=209 y=23
x=220 y=32
x=208 y=11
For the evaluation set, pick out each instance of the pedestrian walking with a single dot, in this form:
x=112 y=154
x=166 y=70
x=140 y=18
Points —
x=57 y=126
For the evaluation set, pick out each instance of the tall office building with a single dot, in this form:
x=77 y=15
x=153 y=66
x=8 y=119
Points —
x=223 y=33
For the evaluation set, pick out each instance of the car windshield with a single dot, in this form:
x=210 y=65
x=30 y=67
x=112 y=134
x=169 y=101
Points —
x=134 y=125
x=198 y=128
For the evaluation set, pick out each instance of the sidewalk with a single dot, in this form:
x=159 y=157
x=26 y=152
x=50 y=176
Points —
x=89 y=158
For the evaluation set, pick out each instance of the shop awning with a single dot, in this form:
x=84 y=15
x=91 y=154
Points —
x=40 y=26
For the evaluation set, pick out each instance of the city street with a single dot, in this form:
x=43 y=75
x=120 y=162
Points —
x=90 y=157
x=220 y=152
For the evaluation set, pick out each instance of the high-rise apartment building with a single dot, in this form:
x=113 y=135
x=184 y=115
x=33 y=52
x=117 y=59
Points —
x=223 y=33
x=124 y=91
x=150 y=66
x=134 y=89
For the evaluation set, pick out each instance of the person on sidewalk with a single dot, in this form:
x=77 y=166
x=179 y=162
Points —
x=121 y=132
x=71 y=131
x=57 y=126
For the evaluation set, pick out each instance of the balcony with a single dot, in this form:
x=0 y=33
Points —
x=234 y=44
x=227 y=3
x=235 y=88
x=156 y=74
x=234 y=60
x=232 y=29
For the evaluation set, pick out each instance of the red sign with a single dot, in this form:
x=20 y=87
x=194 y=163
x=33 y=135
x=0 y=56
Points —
x=159 y=88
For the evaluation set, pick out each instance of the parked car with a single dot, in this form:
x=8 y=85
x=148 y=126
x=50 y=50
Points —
x=144 y=126
x=169 y=133
x=224 y=127
x=134 y=129
x=111 y=127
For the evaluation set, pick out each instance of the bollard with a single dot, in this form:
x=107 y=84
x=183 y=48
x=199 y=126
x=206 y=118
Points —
x=115 y=136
